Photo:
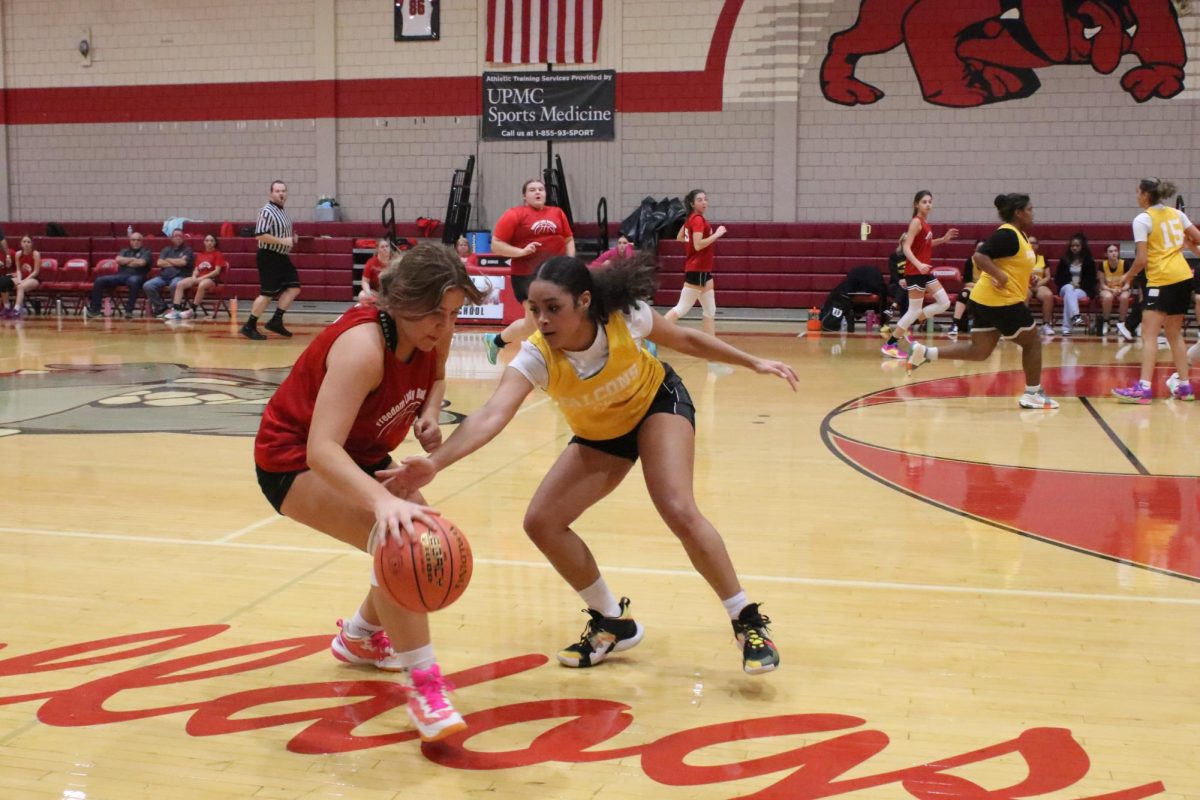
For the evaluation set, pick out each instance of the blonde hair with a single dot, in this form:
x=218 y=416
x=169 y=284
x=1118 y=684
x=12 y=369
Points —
x=1157 y=190
x=415 y=282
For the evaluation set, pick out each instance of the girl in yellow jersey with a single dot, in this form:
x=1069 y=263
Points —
x=997 y=302
x=1159 y=234
x=1041 y=288
x=1112 y=286
x=621 y=403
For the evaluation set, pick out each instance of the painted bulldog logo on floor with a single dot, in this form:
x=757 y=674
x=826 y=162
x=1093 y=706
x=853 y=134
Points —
x=141 y=398
x=973 y=52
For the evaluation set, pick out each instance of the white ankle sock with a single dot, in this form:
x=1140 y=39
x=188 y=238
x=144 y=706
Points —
x=421 y=658
x=931 y=353
x=599 y=597
x=734 y=605
x=359 y=628
x=1033 y=389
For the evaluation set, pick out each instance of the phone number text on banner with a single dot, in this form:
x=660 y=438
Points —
x=549 y=105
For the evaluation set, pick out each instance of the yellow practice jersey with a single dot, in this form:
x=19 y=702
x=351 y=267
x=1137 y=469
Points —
x=1112 y=275
x=1039 y=268
x=1164 y=247
x=613 y=401
x=1017 y=267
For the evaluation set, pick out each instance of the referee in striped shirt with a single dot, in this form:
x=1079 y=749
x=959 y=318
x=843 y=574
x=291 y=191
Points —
x=277 y=277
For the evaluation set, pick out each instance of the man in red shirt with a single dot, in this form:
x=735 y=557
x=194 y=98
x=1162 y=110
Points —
x=527 y=235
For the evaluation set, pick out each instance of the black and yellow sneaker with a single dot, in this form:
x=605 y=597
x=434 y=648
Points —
x=603 y=635
x=758 y=651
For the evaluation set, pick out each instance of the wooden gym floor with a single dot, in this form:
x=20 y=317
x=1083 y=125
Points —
x=966 y=596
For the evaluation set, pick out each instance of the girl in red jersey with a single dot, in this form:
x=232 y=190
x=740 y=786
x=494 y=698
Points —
x=348 y=402
x=918 y=252
x=372 y=269
x=210 y=267
x=527 y=235
x=27 y=265
x=698 y=237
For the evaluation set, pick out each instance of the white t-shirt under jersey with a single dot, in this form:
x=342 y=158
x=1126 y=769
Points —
x=586 y=363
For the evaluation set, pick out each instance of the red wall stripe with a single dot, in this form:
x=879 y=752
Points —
x=640 y=92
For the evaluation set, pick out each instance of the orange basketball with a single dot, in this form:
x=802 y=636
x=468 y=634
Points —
x=429 y=574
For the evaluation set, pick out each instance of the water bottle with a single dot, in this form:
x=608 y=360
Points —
x=843 y=326
x=108 y=307
x=58 y=306
x=870 y=319
x=232 y=310
x=129 y=231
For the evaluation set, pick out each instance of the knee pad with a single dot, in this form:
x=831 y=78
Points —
x=687 y=299
x=941 y=301
x=910 y=316
x=708 y=304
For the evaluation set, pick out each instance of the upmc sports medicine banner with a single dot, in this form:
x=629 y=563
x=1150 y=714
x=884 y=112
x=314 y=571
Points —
x=549 y=105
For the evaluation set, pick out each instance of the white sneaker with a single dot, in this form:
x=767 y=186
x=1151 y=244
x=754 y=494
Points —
x=1125 y=334
x=1173 y=382
x=429 y=705
x=1037 y=399
x=187 y=313
x=1194 y=352
x=375 y=650
x=1162 y=342
x=1047 y=330
x=952 y=333
x=1066 y=331
x=916 y=356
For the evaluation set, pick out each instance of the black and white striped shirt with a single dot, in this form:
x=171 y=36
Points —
x=273 y=221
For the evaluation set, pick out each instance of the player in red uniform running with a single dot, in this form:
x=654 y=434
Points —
x=698 y=238
x=527 y=235
x=918 y=252
x=348 y=402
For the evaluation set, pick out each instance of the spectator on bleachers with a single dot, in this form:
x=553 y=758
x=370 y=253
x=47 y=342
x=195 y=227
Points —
x=371 y=270
x=7 y=284
x=960 y=323
x=134 y=265
x=463 y=248
x=210 y=267
x=1076 y=280
x=1112 y=270
x=175 y=263
x=624 y=249
x=26 y=265
x=1041 y=288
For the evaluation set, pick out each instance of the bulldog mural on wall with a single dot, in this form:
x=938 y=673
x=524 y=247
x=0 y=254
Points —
x=973 y=52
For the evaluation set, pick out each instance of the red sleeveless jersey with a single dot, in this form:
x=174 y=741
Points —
x=23 y=262
x=698 y=260
x=922 y=248
x=383 y=419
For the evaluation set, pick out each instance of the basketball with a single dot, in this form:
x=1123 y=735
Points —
x=429 y=574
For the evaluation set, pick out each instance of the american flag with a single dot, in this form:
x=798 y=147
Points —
x=543 y=31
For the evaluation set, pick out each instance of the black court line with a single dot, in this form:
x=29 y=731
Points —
x=1138 y=465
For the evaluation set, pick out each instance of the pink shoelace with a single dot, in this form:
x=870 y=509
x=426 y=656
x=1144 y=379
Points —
x=381 y=643
x=432 y=687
